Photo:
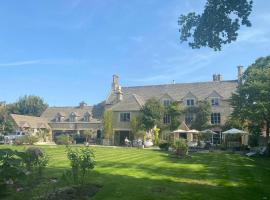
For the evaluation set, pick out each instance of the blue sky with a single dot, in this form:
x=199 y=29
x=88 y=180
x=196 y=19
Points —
x=66 y=51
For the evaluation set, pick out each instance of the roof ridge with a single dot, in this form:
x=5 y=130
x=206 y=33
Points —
x=170 y=84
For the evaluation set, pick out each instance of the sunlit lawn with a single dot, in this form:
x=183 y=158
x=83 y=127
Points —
x=128 y=173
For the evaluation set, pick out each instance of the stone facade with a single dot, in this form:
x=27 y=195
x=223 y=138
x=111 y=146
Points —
x=131 y=99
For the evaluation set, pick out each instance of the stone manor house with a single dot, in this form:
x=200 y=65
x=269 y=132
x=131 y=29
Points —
x=126 y=102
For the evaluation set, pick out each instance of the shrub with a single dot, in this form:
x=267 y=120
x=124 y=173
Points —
x=63 y=139
x=27 y=139
x=180 y=146
x=35 y=160
x=81 y=162
x=164 y=145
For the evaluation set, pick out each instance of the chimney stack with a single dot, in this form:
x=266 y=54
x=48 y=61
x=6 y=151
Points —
x=115 y=83
x=82 y=104
x=217 y=77
x=240 y=73
x=119 y=94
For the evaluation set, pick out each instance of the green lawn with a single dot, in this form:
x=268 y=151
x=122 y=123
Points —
x=128 y=173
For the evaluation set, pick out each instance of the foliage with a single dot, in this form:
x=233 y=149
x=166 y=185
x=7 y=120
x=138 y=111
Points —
x=81 y=162
x=251 y=102
x=156 y=136
x=152 y=113
x=63 y=139
x=28 y=105
x=44 y=133
x=164 y=145
x=6 y=124
x=233 y=123
x=140 y=134
x=202 y=113
x=26 y=139
x=180 y=146
x=88 y=134
x=107 y=124
x=136 y=128
x=217 y=25
x=35 y=160
x=98 y=110
x=174 y=111
x=21 y=169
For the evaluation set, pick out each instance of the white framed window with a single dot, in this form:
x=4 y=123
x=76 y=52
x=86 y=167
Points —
x=125 y=117
x=167 y=119
x=215 y=118
x=215 y=101
x=190 y=102
x=167 y=102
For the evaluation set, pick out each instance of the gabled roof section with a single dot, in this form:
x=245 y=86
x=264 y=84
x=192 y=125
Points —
x=166 y=96
x=51 y=112
x=24 y=121
x=214 y=94
x=131 y=102
x=183 y=126
x=189 y=95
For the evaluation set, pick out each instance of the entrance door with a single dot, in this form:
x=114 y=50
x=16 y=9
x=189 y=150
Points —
x=123 y=135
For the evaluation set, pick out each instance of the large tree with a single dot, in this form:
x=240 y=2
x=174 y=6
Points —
x=152 y=113
x=251 y=102
x=28 y=105
x=107 y=123
x=217 y=25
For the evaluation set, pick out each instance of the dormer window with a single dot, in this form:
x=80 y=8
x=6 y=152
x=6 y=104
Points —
x=215 y=101
x=72 y=117
x=166 y=102
x=59 y=117
x=87 y=117
x=190 y=102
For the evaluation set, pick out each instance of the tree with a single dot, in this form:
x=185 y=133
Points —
x=174 y=111
x=6 y=124
x=88 y=134
x=152 y=113
x=98 y=110
x=217 y=25
x=136 y=128
x=28 y=105
x=202 y=114
x=107 y=124
x=251 y=102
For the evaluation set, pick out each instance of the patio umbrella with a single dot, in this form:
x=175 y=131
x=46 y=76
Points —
x=234 y=131
x=180 y=131
x=192 y=131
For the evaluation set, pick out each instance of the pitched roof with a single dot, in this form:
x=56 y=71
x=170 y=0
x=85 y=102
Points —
x=24 y=121
x=178 y=91
x=131 y=102
x=134 y=97
x=51 y=112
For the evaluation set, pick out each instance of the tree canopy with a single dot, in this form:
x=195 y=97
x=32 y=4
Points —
x=28 y=105
x=152 y=113
x=251 y=102
x=217 y=25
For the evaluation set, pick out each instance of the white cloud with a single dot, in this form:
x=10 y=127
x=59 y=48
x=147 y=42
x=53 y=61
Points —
x=41 y=62
x=20 y=63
